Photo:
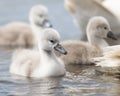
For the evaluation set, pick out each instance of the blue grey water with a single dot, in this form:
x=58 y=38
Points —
x=78 y=81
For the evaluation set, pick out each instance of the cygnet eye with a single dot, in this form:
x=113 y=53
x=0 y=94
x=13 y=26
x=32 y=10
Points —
x=52 y=41
x=41 y=15
x=105 y=28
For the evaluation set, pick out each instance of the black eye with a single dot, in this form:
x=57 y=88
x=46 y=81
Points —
x=52 y=41
x=105 y=28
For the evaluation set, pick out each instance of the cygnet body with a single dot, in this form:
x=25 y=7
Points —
x=19 y=34
x=41 y=63
x=81 y=52
x=16 y=34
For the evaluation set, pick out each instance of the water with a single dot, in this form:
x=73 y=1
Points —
x=78 y=81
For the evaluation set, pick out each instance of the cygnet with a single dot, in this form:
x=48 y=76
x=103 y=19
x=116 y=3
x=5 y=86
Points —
x=19 y=34
x=42 y=62
x=81 y=52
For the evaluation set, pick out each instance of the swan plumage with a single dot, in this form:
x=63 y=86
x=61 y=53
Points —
x=42 y=62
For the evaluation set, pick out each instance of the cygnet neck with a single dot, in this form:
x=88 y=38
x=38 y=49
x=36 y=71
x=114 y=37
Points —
x=94 y=40
x=37 y=30
x=46 y=56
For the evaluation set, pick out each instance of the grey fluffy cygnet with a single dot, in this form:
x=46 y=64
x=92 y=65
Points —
x=80 y=52
x=16 y=34
x=19 y=34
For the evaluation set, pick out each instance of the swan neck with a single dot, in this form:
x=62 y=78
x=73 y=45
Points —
x=97 y=41
x=37 y=30
x=44 y=53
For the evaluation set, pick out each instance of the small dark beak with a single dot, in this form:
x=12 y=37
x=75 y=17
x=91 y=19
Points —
x=111 y=35
x=47 y=24
x=60 y=49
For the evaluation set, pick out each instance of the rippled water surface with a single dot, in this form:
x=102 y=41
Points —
x=78 y=81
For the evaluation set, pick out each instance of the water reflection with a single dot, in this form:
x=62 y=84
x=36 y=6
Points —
x=36 y=87
x=79 y=81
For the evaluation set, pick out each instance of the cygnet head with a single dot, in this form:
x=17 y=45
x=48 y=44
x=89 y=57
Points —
x=99 y=27
x=39 y=16
x=50 y=41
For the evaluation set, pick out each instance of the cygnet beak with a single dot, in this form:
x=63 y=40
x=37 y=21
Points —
x=111 y=35
x=60 y=49
x=47 y=24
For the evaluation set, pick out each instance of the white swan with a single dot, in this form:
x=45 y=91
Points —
x=83 y=10
x=80 y=52
x=99 y=1
x=19 y=34
x=41 y=63
x=110 y=58
x=113 y=6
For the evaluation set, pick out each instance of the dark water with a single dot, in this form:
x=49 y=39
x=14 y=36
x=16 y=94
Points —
x=79 y=80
